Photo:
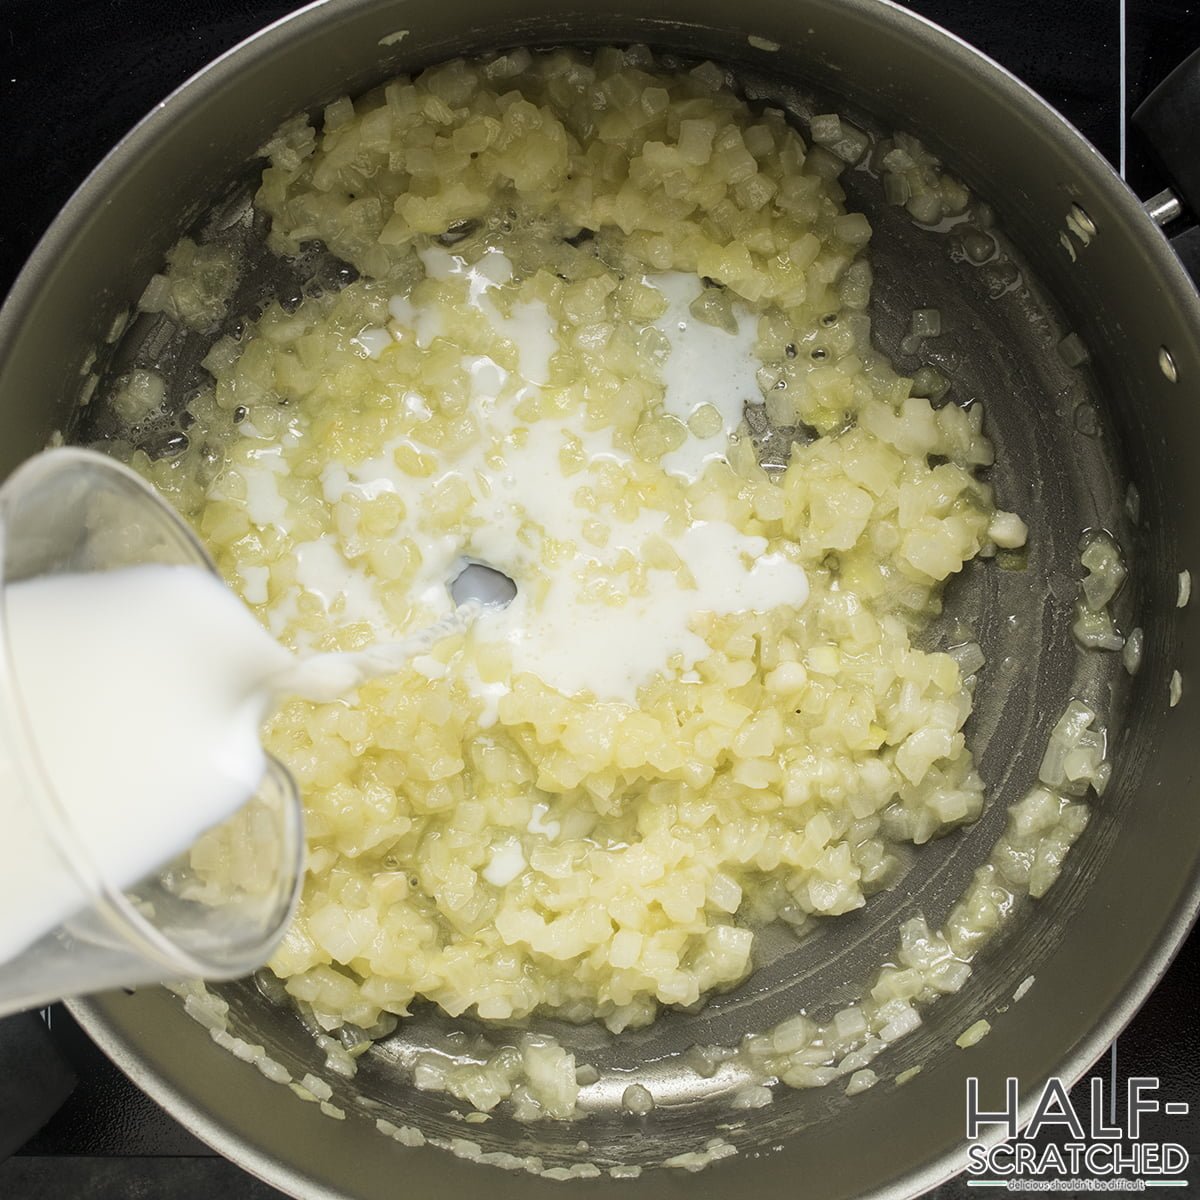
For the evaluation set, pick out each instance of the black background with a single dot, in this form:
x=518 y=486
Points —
x=76 y=75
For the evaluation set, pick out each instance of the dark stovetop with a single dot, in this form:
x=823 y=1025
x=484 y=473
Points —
x=74 y=76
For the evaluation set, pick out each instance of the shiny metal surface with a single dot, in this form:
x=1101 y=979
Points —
x=1069 y=439
x=1164 y=207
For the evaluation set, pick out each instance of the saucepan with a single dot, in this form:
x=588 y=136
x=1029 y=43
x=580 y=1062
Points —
x=1078 y=328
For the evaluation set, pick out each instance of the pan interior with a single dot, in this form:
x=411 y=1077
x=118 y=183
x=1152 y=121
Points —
x=1002 y=345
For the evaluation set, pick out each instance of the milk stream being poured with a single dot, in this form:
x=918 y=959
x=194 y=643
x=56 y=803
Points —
x=144 y=689
x=149 y=732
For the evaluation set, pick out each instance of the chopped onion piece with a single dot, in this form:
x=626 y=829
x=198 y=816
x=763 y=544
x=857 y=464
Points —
x=1008 y=531
x=860 y=1081
x=1075 y=754
x=1131 y=655
x=974 y=1034
x=154 y=298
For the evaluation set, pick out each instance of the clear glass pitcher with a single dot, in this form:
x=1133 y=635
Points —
x=72 y=510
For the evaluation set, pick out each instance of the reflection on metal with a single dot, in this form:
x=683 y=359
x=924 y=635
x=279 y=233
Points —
x=1163 y=208
x=1080 y=224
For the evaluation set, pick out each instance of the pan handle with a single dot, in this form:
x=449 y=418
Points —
x=1187 y=246
x=1169 y=119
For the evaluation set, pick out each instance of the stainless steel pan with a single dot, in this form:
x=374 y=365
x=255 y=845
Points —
x=1070 y=440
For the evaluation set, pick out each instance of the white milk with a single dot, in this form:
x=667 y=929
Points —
x=706 y=366
x=144 y=689
x=522 y=502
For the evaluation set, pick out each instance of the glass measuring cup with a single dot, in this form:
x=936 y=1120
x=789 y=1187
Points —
x=72 y=510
